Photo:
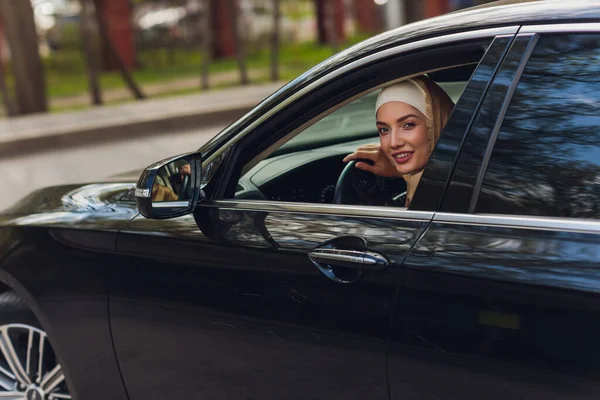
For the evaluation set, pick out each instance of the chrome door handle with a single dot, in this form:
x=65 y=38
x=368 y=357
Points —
x=348 y=258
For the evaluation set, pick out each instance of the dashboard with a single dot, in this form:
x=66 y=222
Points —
x=304 y=176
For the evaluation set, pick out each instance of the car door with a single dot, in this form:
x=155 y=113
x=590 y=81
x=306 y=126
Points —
x=501 y=292
x=272 y=299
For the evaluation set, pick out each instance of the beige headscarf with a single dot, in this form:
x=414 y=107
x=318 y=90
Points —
x=426 y=96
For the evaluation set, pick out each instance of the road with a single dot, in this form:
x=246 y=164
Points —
x=23 y=174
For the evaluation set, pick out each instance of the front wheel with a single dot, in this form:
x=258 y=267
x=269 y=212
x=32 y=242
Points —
x=29 y=369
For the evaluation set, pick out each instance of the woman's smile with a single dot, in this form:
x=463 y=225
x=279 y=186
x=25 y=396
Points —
x=402 y=157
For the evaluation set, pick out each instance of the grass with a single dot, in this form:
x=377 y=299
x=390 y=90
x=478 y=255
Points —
x=66 y=74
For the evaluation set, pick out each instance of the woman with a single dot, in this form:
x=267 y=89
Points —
x=410 y=117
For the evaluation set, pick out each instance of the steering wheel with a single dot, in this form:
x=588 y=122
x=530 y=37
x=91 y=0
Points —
x=355 y=186
x=183 y=189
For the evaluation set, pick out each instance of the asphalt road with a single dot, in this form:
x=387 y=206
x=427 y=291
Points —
x=23 y=174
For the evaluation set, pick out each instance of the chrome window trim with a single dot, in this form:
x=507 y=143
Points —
x=420 y=44
x=171 y=204
x=319 y=208
x=520 y=222
x=550 y=28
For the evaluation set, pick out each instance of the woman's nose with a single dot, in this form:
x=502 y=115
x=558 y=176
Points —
x=396 y=140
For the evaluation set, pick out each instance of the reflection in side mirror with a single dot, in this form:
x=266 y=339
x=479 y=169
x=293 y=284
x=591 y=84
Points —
x=170 y=188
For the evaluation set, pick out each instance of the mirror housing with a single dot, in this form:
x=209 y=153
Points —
x=170 y=188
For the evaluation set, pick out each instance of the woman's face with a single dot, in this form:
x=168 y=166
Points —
x=403 y=136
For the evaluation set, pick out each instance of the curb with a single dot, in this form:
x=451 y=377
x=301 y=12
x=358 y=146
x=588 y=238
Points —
x=113 y=132
x=47 y=132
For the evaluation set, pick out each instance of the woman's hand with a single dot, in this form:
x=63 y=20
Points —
x=185 y=170
x=381 y=165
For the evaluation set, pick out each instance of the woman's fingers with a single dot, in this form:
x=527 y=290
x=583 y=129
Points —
x=366 y=167
x=372 y=146
x=365 y=154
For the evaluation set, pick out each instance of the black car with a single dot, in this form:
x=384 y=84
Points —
x=269 y=269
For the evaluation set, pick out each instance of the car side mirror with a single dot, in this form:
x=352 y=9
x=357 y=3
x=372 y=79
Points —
x=171 y=187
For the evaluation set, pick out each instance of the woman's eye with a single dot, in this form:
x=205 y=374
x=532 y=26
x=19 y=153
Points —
x=383 y=131
x=408 y=125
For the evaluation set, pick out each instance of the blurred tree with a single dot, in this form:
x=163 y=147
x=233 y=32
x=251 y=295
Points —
x=9 y=106
x=207 y=45
x=330 y=22
x=331 y=25
x=6 y=98
x=436 y=7
x=223 y=28
x=105 y=36
x=275 y=39
x=89 y=52
x=19 y=26
x=240 y=48
x=367 y=16
x=117 y=15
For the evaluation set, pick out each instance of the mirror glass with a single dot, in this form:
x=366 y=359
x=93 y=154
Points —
x=173 y=182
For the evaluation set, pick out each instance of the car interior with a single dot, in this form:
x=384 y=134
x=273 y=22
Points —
x=308 y=166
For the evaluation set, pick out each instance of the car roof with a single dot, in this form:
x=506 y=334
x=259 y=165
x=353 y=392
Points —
x=491 y=15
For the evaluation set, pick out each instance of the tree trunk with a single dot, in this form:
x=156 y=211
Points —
x=275 y=39
x=320 y=7
x=9 y=106
x=240 y=49
x=103 y=30
x=332 y=29
x=207 y=47
x=91 y=56
x=19 y=27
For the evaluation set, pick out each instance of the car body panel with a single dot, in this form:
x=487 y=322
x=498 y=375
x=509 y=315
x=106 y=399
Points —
x=54 y=247
x=499 y=310
x=239 y=308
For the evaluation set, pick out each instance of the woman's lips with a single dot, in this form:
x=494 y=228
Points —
x=403 y=157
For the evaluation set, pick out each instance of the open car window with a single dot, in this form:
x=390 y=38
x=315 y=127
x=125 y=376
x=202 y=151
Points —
x=297 y=156
x=307 y=166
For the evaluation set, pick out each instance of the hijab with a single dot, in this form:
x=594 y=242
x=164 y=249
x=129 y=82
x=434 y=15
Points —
x=430 y=99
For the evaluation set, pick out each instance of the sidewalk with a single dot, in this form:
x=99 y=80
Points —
x=142 y=118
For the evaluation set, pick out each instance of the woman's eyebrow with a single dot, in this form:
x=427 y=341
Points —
x=406 y=117
x=398 y=120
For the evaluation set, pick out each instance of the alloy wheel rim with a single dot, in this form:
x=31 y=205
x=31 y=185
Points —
x=29 y=369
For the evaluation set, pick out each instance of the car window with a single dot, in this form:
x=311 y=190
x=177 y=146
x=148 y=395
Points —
x=298 y=154
x=546 y=158
x=307 y=167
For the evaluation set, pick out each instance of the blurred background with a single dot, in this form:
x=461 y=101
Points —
x=59 y=55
